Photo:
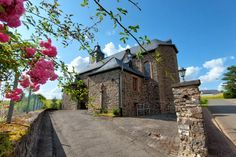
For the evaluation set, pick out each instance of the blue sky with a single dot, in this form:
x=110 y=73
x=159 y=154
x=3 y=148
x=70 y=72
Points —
x=203 y=31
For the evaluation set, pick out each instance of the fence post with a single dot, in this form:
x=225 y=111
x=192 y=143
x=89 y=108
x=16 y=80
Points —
x=28 y=103
x=11 y=107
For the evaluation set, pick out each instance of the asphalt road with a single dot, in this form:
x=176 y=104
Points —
x=82 y=135
x=224 y=113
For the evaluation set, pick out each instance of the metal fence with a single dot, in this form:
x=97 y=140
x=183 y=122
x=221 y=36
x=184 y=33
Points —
x=26 y=105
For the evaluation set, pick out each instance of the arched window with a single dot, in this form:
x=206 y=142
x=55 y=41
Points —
x=147 y=69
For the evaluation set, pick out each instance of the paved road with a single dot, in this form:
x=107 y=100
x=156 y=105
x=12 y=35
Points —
x=224 y=112
x=82 y=135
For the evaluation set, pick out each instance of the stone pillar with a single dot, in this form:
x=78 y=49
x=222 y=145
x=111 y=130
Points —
x=190 y=119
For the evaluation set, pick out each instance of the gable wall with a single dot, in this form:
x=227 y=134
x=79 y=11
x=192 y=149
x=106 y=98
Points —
x=147 y=94
x=110 y=80
x=157 y=90
x=167 y=75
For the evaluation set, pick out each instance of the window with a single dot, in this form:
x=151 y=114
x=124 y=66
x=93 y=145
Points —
x=135 y=83
x=147 y=69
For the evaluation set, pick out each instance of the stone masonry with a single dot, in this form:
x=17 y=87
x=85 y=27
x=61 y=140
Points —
x=104 y=90
x=164 y=72
x=68 y=103
x=190 y=120
x=113 y=87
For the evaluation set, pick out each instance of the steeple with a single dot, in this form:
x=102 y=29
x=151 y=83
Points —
x=97 y=55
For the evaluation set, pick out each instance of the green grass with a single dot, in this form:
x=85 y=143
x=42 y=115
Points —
x=204 y=99
x=217 y=96
x=109 y=114
x=203 y=102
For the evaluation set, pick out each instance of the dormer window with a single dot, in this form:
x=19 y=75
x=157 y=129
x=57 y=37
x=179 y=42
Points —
x=147 y=70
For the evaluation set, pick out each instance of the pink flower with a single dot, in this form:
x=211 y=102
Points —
x=5 y=2
x=4 y=38
x=2 y=27
x=25 y=82
x=18 y=91
x=35 y=87
x=16 y=98
x=12 y=11
x=48 y=50
x=54 y=77
x=14 y=95
x=30 y=51
x=8 y=95
x=42 y=71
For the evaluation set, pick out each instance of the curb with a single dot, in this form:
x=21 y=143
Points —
x=219 y=126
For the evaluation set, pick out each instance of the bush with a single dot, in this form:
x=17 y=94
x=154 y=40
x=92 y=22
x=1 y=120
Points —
x=228 y=95
x=116 y=112
x=203 y=101
x=5 y=145
x=103 y=110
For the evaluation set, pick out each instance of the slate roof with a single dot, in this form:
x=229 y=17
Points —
x=212 y=91
x=115 y=61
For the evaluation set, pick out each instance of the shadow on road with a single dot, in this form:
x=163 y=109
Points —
x=223 y=109
x=218 y=144
x=49 y=143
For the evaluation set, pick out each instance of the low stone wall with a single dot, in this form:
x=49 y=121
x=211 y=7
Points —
x=68 y=103
x=190 y=120
x=27 y=146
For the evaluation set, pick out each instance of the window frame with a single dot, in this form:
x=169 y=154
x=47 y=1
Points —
x=150 y=70
x=135 y=84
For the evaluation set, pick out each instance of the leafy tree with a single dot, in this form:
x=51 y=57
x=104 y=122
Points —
x=54 y=104
x=19 y=56
x=230 y=84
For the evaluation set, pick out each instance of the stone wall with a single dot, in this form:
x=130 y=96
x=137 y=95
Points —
x=104 y=90
x=68 y=103
x=130 y=97
x=190 y=120
x=164 y=73
x=27 y=146
x=147 y=94
x=167 y=75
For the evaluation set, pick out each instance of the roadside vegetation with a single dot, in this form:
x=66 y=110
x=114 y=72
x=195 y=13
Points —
x=12 y=133
x=51 y=103
x=204 y=98
x=230 y=83
x=105 y=113
x=216 y=96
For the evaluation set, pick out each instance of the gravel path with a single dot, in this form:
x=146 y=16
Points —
x=86 y=136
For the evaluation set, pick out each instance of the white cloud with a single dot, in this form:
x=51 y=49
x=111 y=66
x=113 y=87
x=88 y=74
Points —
x=78 y=63
x=216 y=69
x=111 y=49
x=192 y=72
x=232 y=57
x=50 y=94
x=220 y=87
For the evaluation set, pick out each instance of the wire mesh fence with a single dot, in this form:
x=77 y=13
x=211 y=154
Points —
x=27 y=104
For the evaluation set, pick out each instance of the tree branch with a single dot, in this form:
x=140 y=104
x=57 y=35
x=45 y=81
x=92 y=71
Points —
x=120 y=24
x=135 y=4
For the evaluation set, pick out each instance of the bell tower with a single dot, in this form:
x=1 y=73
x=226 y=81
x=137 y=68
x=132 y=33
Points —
x=97 y=55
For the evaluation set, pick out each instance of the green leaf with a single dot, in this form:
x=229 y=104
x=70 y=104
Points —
x=2 y=9
x=134 y=28
x=85 y=3
x=123 y=11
